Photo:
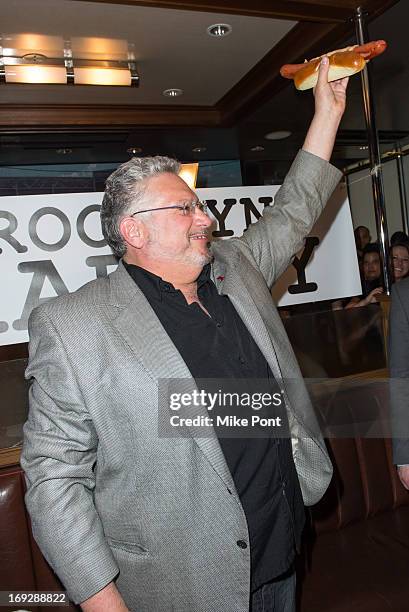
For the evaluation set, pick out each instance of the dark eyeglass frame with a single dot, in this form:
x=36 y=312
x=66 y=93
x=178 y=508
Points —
x=188 y=208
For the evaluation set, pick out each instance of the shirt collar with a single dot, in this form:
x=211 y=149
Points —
x=154 y=285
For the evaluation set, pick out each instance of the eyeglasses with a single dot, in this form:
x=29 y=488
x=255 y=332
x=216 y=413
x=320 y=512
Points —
x=187 y=208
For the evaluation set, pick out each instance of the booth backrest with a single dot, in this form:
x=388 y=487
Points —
x=22 y=566
x=365 y=482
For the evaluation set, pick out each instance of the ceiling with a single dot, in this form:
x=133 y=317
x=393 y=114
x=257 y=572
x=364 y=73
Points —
x=233 y=94
x=171 y=47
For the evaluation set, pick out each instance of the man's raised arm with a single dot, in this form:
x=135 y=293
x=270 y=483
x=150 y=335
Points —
x=330 y=99
x=276 y=238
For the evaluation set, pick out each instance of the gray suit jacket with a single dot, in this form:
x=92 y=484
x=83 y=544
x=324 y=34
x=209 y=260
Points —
x=107 y=494
x=399 y=370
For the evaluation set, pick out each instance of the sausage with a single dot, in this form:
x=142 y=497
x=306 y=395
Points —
x=367 y=51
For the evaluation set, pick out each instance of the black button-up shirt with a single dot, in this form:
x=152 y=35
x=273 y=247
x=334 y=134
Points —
x=221 y=347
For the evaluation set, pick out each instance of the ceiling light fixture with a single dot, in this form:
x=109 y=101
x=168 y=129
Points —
x=67 y=70
x=134 y=150
x=199 y=149
x=257 y=149
x=172 y=93
x=277 y=135
x=218 y=30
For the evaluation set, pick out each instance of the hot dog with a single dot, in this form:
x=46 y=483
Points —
x=342 y=63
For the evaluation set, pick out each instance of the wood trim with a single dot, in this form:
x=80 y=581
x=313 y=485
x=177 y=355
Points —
x=9 y=456
x=385 y=303
x=381 y=373
x=9 y=352
x=294 y=10
x=84 y=115
x=330 y=385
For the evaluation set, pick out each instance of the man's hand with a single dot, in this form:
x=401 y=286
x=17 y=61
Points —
x=403 y=473
x=330 y=99
x=107 y=600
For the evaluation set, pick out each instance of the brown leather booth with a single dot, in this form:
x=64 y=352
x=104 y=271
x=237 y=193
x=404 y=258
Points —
x=357 y=556
x=22 y=566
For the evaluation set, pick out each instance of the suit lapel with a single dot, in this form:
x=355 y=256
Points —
x=144 y=334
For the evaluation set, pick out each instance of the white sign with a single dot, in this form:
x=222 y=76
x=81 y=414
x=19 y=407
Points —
x=52 y=244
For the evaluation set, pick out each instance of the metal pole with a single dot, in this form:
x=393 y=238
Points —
x=374 y=154
x=402 y=190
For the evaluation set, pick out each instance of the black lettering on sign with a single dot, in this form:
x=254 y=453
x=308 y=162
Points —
x=32 y=228
x=101 y=263
x=41 y=270
x=6 y=232
x=97 y=244
x=300 y=264
x=266 y=200
x=222 y=232
x=3 y=327
x=248 y=209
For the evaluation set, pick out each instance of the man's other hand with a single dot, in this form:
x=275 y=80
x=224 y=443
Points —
x=403 y=473
x=107 y=600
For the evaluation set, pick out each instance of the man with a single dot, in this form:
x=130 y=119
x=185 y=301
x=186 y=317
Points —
x=399 y=373
x=132 y=520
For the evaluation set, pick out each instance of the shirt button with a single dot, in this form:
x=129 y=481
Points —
x=241 y=544
x=218 y=324
x=242 y=360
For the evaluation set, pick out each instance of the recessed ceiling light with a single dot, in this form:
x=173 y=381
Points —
x=257 y=148
x=134 y=150
x=172 y=93
x=199 y=149
x=277 y=135
x=363 y=148
x=63 y=151
x=218 y=30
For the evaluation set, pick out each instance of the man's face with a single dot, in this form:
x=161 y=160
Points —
x=400 y=262
x=173 y=236
x=371 y=266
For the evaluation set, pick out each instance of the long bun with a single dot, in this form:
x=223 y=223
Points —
x=341 y=64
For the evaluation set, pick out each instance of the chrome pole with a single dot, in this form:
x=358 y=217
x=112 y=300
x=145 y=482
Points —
x=402 y=190
x=374 y=153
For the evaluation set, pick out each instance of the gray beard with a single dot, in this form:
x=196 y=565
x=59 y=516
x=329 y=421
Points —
x=193 y=258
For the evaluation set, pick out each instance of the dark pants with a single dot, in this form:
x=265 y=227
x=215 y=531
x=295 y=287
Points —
x=275 y=596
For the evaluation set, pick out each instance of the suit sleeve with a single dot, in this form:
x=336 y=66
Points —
x=280 y=233
x=399 y=371
x=58 y=458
